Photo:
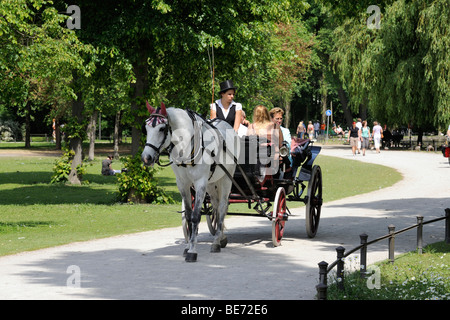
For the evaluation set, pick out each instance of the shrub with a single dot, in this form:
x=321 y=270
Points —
x=9 y=131
x=138 y=183
x=63 y=166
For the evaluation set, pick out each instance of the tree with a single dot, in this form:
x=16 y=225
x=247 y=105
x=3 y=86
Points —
x=401 y=69
x=292 y=64
x=167 y=44
x=433 y=28
x=31 y=35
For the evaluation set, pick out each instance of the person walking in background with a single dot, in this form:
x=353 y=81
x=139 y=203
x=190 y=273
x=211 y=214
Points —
x=359 y=126
x=354 y=135
x=365 y=137
x=322 y=128
x=300 y=130
x=310 y=130
x=316 y=129
x=377 y=132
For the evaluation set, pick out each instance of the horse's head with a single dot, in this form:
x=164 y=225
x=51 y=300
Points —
x=156 y=128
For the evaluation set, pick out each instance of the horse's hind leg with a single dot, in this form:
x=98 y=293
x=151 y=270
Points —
x=186 y=217
x=220 y=240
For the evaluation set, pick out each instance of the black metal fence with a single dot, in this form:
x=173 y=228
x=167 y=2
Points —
x=324 y=268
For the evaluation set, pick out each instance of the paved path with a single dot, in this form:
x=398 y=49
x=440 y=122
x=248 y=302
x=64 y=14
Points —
x=149 y=265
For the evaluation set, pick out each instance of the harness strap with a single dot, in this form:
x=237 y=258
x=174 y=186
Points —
x=152 y=146
x=197 y=129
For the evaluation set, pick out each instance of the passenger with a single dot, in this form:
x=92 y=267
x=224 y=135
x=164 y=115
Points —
x=243 y=126
x=277 y=117
x=263 y=126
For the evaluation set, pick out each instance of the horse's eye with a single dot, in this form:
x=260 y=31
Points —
x=162 y=129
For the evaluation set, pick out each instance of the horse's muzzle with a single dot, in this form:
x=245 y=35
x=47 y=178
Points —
x=148 y=160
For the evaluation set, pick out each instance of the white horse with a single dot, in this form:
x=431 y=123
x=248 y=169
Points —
x=199 y=160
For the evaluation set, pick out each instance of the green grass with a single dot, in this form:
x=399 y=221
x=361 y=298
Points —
x=35 y=214
x=344 y=178
x=411 y=277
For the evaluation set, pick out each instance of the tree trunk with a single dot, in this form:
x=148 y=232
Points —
x=76 y=143
x=139 y=87
x=363 y=109
x=116 y=135
x=28 y=125
x=287 y=111
x=324 y=95
x=347 y=113
x=91 y=134
x=57 y=135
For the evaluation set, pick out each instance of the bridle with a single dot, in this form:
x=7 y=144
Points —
x=154 y=120
x=157 y=118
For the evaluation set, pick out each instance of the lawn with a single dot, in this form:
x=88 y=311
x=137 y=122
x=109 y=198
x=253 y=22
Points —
x=35 y=214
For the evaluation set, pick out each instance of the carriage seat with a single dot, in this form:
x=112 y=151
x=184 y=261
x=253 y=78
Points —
x=255 y=155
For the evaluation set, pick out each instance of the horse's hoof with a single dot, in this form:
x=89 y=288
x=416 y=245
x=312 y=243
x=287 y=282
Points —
x=191 y=257
x=185 y=252
x=215 y=248
x=223 y=242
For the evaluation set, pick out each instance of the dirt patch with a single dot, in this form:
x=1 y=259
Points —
x=99 y=151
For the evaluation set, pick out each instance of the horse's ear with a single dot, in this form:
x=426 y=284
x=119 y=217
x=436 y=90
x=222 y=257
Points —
x=150 y=108
x=163 y=109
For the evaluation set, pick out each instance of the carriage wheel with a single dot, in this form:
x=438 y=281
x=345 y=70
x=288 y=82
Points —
x=279 y=217
x=314 y=203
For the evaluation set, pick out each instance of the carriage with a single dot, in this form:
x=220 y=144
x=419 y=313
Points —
x=269 y=191
x=250 y=172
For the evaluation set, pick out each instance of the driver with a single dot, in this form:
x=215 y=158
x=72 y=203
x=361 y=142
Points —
x=226 y=108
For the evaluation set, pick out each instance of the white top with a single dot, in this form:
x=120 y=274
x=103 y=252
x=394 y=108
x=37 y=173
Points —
x=376 y=131
x=238 y=106
x=242 y=131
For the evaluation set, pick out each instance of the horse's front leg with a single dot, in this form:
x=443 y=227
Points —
x=191 y=255
x=186 y=217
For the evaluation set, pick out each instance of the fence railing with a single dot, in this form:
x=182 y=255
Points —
x=324 y=268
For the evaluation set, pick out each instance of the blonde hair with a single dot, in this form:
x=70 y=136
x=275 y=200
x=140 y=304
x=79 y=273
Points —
x=261 y=114
x=276 y=110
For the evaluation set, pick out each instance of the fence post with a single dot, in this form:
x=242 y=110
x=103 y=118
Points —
x=323 y=281
x=363 y=259
x=391 y=228
x=340 y=268
x=419 y=234
x=447 y=225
